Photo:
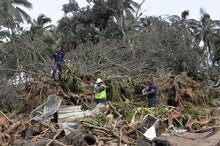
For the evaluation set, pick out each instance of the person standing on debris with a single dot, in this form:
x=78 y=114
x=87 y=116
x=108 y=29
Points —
x=151 y=92
x=100 y=92
x=173 y=92
x=58 y=60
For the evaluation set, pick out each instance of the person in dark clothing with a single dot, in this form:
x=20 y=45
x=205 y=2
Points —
x=173 y=92
x=58 y=60
x=151 y=92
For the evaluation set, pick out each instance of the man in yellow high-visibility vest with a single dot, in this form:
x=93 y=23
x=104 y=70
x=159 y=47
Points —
x=100 y=92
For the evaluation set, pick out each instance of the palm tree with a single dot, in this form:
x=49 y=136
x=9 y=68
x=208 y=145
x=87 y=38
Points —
x=123 y=11
x=38 y=26
x=11 y=16
x=42 y=20
x=185 y=14
x=205 y=34
x=41 y=31
x=12 y=13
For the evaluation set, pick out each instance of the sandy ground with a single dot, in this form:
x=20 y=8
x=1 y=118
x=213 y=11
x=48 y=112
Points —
x=194 y=139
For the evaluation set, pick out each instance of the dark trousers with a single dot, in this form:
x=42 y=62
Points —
x=172 y=103
x=57 y=66
x=152 y=102
x=97 y=101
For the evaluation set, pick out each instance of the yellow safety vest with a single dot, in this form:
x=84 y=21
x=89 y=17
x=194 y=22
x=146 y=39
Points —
x=100 y=95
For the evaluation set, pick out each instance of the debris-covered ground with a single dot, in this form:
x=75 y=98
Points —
x=77 y=121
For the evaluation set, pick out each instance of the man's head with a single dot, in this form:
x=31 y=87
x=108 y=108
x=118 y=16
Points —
x=58 y=49
x=150 y=80
x=172 y=79
x=99 y=81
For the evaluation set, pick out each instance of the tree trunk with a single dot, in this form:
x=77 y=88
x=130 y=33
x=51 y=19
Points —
x=18 y=65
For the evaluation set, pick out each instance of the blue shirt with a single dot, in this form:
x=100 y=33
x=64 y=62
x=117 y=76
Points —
x=58 y=56
x=152 y=95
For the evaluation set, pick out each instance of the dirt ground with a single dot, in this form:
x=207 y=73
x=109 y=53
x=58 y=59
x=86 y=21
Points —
x=194 y=139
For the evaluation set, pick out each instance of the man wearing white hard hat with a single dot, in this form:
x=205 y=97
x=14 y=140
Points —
x=100 y=92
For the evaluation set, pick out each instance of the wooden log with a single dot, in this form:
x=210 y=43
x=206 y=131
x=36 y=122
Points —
x=54 y=138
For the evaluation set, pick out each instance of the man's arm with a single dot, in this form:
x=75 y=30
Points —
x=64 y=60
x=99 y=89
x=151 y=91
x=176 y=92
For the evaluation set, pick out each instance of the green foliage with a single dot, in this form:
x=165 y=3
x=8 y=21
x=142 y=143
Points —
x=105 y=19
x=102 y=119
x=89 y=121
x=72 y=79
x=196 y=113
x=72 y=6
x=127 y=110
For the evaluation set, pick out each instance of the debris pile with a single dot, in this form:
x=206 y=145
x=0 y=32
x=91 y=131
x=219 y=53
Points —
x=78 y=121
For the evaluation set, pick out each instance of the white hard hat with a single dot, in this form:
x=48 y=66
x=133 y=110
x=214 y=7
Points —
x=98 y=80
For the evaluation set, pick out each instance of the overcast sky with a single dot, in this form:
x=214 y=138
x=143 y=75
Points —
x=53 y=8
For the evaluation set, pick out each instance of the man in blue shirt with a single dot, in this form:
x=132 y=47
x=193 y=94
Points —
x=151 y=92
x=58 y=60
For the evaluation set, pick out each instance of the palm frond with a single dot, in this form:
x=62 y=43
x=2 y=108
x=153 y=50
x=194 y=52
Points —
x=23 y=14
x=23 y=3
x=49 y=26
x=134 y=4
x=4 y=33
x=185 y=14
x=42 y=20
